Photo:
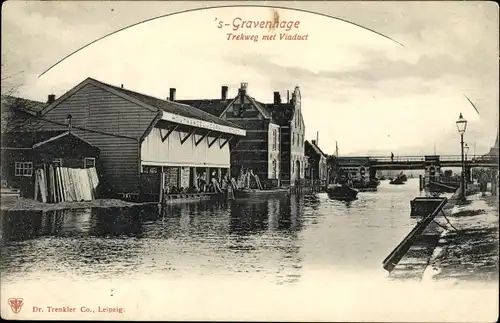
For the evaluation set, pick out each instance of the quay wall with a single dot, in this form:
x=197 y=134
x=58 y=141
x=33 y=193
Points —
x=416 y=261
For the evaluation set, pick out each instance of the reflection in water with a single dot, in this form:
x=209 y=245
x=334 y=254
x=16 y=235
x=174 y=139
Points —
x=271 y=239
x=116 y=222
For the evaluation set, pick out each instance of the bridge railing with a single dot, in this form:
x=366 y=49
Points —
x=398 y=159
x=445 y=158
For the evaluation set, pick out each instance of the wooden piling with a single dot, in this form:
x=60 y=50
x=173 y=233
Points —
x=162 y=188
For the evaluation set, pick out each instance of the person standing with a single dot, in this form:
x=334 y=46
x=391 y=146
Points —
x=392 y=157
x=483 y=182
x=494 y=182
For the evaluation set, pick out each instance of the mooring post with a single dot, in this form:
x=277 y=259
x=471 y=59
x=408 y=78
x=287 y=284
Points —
x=162 y=188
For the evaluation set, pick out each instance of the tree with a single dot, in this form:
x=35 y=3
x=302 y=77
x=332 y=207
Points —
x=11 y=80
x=16 y=113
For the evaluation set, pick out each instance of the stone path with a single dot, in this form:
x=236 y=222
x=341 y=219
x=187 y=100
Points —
x=471 y=253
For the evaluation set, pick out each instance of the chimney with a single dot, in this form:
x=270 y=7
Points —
x=277 y=98
x=172 y=94
x=121 y=86
x=287 y=96
x=317 y=137
x=51 y=98
x=224 y=93
x=313 y=142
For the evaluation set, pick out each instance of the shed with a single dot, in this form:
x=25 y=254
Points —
x=66 y=149
x=22 y=152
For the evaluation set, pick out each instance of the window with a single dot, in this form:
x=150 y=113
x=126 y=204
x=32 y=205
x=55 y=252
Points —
x=88 y=162
x=275 y=173
x=293 y=138
x=57 y=162
x=23 y=169
x=275 y=139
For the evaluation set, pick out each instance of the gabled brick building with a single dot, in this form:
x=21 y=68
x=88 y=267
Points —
x=274 y=145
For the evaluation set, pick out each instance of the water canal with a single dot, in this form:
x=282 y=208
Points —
x=272 y=240
x=306 y=258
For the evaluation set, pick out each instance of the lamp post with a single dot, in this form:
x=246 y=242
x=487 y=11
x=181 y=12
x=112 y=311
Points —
x=467 y=179
x=461 y=127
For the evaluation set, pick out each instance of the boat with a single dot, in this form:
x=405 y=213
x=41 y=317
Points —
x=438 y=187
x=371 y=186
x=341 y=192
x=397 y=181
x=258 y=193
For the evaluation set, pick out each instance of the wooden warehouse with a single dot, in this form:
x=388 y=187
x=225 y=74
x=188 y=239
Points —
x=139 y=135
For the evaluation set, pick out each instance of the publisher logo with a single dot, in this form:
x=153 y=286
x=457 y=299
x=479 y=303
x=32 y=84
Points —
x=16 y=304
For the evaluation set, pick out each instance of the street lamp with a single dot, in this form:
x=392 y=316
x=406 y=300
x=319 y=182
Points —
x=461 y=127
x=466 y=150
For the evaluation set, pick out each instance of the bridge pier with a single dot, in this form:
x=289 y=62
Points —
x=468 y=174
x=358 y=167
x=432 y=169
x=364 y=174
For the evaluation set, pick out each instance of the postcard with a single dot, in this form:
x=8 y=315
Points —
x=250 y=161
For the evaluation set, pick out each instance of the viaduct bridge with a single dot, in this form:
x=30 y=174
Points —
x=420 y=162
x=366 y=167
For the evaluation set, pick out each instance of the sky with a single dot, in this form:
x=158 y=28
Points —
x=367 y=93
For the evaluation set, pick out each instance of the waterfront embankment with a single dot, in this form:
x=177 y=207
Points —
x=11 y=203
x=461 y=244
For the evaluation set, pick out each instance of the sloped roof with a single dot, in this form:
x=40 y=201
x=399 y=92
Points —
x=261 y=107
x=173 y=107
x=316 y=148
x=217 y=107
x=18 y=114
x=20 y=139
x=13 y=102
x=64 y=134
x=214 y=107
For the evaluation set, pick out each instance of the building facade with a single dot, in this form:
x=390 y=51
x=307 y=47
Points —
x=317 y=165
x=274 y=144
x=139 y=135
x=260 y=149
x=288 y=116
